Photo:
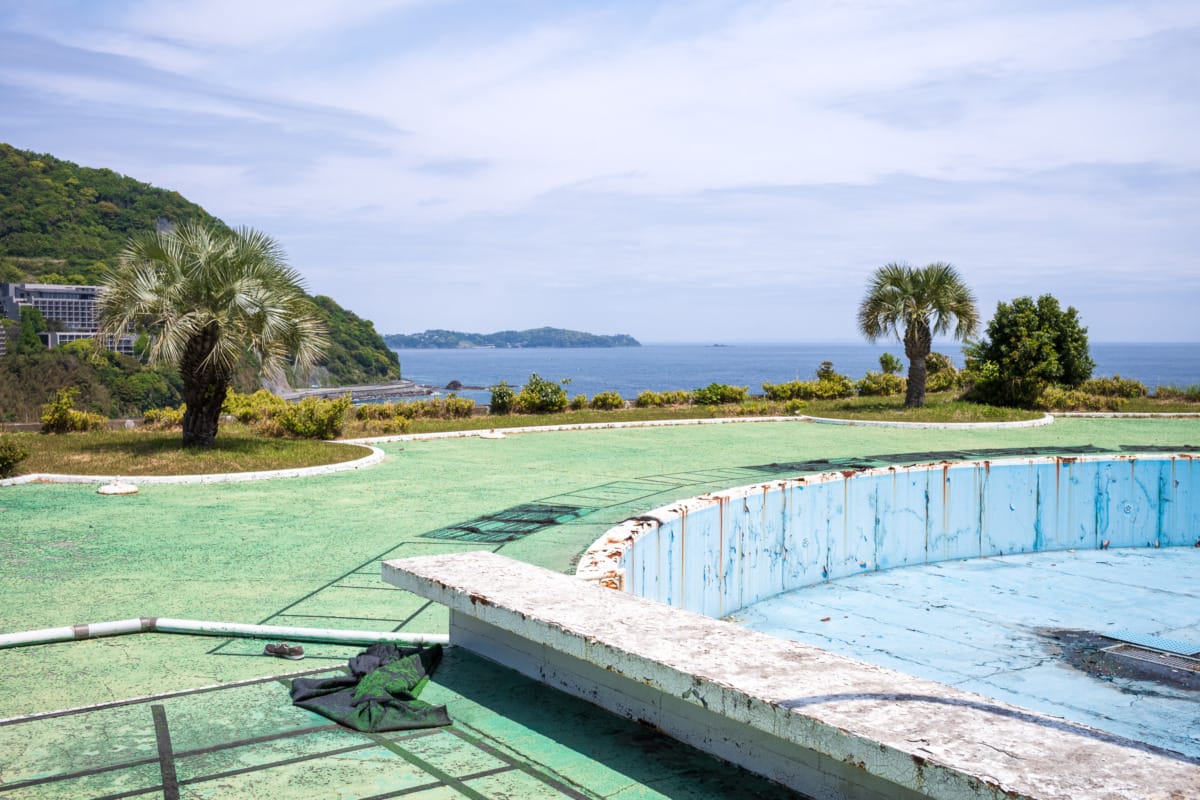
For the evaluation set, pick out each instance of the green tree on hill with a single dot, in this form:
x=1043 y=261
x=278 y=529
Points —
x=1029 y=346
x=28 y=342
x=915 y=305
x=209 y=297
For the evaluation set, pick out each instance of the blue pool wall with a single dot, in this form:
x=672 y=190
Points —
x=718 y=553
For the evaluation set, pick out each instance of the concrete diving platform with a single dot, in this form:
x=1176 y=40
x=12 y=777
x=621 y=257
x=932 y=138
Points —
x=822 y=724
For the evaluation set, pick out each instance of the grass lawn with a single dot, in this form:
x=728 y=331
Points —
x=1151 y=405
x=240 y=449
x=154 y=452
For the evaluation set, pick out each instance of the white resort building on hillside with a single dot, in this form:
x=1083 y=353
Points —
x=74 y=309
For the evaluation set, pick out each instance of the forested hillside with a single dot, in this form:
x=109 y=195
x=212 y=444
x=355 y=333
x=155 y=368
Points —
x=536 y=337
x=63 y=223
x=357 y=353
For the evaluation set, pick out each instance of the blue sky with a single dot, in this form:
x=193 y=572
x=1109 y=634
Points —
x=680 y=171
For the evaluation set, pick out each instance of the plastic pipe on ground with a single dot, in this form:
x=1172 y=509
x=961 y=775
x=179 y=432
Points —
x=193 y=627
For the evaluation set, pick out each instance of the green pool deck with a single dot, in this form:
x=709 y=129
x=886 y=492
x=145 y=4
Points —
x=306 y=552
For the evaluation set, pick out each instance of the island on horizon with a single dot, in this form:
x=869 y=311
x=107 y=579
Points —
x=535 y=337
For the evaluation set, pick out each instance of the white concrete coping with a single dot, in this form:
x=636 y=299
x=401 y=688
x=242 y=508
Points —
x=1045 y=419
x=376 y=455
x=820 y=723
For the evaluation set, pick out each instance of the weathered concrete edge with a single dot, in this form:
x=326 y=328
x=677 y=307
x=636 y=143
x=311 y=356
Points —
x=907 y=732
x=375 y=457
x=666 y=423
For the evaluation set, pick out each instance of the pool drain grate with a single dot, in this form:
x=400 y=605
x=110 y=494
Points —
x=1154 y=657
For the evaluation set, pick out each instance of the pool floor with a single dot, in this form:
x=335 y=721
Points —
x=1011 y=627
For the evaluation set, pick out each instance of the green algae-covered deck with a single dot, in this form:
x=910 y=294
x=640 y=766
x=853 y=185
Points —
x=306 y=552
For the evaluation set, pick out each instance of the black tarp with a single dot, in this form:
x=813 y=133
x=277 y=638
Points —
x=380 y=693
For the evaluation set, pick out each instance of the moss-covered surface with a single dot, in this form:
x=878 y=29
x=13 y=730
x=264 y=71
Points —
x=305 y=551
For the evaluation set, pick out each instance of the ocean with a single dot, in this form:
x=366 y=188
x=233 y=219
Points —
x=664 y=367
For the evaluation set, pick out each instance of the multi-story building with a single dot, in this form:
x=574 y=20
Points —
x=74 y=308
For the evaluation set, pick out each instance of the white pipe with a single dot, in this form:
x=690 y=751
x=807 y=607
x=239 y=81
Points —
x=224 y=629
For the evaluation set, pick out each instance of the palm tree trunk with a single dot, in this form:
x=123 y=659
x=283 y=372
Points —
x=918 y=341
x=204 y=388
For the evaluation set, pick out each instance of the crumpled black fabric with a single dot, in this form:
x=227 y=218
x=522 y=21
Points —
x=380 y=693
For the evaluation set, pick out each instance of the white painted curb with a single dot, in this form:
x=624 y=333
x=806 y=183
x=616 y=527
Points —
x=1046 y=419
x=374 y=458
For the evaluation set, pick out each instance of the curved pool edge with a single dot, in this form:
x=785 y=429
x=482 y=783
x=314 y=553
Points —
x=719 y=552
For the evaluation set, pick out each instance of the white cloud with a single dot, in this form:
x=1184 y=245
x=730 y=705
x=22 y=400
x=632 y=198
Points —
x=745 y=151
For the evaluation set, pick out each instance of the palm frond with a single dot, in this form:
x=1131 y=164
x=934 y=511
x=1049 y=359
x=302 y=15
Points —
x=201 y=287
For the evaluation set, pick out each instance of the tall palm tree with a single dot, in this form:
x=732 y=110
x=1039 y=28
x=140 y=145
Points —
x=209 y=297
x=924 y=302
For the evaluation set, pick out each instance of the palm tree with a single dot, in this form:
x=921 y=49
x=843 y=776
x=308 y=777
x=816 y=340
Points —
x=208 y=298
x=924 y=302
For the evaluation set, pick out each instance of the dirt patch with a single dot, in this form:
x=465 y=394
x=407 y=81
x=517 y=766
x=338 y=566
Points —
x=1084 y=650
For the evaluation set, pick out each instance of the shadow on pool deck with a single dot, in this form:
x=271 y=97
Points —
x=511 y=737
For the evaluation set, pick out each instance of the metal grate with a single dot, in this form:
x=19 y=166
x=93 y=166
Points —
x=1150 y=642
x=1132 y=651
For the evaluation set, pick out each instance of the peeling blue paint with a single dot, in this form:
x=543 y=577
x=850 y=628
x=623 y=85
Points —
x=719 y=556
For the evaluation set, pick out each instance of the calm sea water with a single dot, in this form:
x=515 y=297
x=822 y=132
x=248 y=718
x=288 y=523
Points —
x=663 y=367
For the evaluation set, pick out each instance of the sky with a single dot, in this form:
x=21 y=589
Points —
x=693 y=171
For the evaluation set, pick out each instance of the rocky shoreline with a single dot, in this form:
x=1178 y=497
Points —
x=364 y=392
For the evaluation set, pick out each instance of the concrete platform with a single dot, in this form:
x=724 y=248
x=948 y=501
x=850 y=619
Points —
x=820 y=723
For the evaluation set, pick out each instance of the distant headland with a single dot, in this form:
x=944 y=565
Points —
x=536 y=337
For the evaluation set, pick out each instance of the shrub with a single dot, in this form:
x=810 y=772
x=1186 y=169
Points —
x=503 y=398
x=608 y=401
x=880 y=384
x=379 y=412
x=792 y=390
x=1029 y=346
x=718 y=394
x=579 y=402
x=386 y=418
x=1188 y=393
x=649 y=399
x=755 y=408
x=940 y=373
x=388 y=425
x=833 y=389
x=452 y=407
x=311 y=418
x=253 y=409
x=1055 y=398
x=164 y=418
x=890 y=365
x=455 y=407
x=540 y=396
x=794 y=407
x=1116 y=386
x=61 y=416
x=831 y=385
x=12 y=453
